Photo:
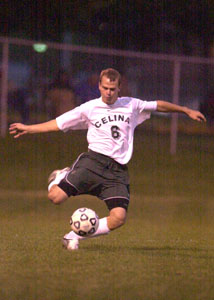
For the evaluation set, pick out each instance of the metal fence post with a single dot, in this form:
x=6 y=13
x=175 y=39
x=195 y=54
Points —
x=175 y=100
x=4 y=89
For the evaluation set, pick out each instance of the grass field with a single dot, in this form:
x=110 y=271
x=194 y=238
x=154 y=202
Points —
x=164 y=252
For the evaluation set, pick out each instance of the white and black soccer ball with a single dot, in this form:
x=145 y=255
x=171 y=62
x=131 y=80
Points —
x=84 y=221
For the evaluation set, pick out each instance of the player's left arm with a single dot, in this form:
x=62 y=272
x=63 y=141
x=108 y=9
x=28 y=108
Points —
x=164 y=106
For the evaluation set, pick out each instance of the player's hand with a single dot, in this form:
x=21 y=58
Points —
x=18 y=129
x=196 y=115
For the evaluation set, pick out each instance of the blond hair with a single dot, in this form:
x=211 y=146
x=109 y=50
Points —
x=112 y=74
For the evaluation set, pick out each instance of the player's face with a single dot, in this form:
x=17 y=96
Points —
x=109 y=90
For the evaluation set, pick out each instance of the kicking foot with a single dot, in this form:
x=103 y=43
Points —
x=70 y=244
x=56 y=173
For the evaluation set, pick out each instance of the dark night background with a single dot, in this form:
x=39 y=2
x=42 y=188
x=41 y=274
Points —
x=181 y=27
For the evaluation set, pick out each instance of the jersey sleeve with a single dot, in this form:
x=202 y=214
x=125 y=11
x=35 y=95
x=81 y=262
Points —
x=74 y=119
x=144 y=109
x=150 y=105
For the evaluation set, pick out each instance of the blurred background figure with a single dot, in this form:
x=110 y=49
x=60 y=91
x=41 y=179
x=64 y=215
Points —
x=17 y=100
x=88 y=89
x=60 y=96
x=207 y=107
x=124 y=90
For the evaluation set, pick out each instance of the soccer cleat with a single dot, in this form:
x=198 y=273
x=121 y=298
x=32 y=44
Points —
x=55 y=173
x=70 y=244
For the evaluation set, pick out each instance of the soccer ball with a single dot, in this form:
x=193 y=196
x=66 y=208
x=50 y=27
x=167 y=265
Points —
x=84 y=221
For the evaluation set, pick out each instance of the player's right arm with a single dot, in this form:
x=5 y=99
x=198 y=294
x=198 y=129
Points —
x=18 y=129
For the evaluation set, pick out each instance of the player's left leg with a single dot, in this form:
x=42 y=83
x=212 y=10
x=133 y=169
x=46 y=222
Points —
x=71 y=240
x=116 y=219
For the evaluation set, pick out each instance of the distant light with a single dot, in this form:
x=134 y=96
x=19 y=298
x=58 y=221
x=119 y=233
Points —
x=40 y=47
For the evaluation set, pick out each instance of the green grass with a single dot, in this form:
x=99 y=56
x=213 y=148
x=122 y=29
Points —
x=165 y=250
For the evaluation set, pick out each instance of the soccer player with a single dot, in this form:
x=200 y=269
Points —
x=102 y=171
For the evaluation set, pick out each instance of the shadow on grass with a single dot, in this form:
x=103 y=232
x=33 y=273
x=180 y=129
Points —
x=154 y=251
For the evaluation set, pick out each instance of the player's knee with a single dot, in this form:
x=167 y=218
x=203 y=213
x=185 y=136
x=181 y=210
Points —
x=56 y=197
x=52 y=197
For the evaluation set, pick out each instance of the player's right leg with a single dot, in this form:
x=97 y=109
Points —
x=55 y=193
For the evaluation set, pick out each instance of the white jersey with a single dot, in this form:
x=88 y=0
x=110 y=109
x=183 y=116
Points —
x=110 y=127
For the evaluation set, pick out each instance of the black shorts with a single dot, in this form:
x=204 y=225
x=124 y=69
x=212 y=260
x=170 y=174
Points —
x=99 y=175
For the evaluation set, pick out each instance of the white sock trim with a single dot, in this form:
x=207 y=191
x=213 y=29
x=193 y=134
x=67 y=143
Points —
x=50 y=185
x=57 y=180
x=102 y=228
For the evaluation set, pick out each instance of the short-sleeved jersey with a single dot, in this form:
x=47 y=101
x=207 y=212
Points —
x=110 y=127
